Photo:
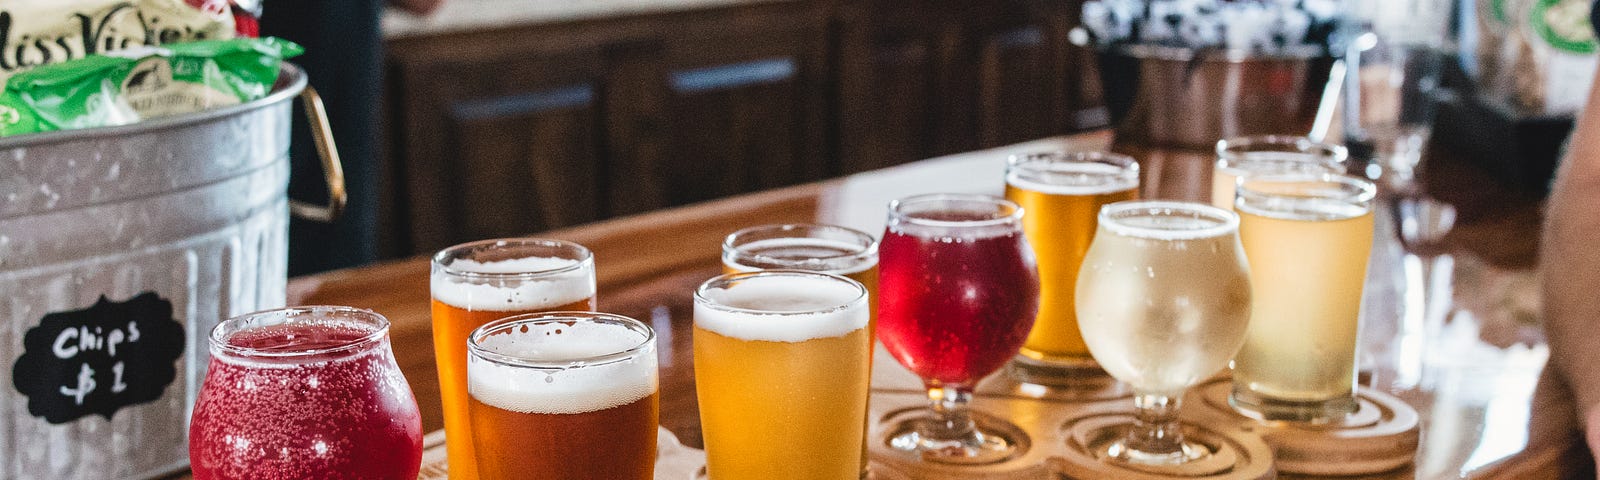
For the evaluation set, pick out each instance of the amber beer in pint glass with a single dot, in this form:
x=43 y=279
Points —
x=475 y=283
x=781 y=370
x=568 y=395
x=1063 y=193
x=1267 y=155
x=1307 y=237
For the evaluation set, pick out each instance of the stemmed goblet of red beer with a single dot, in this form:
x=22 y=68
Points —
x=959 y=292
x=305 y=392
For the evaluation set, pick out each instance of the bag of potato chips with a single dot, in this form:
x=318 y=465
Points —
x=141 y=83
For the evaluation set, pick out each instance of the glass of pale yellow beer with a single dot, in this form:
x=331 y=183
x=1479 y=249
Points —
x=831 y=249
x=1307 y=236
x=781 y=362
x=1163 y=302
x=475 y=283
x=1269 y=154
x=1063 y=193
x=568 y=395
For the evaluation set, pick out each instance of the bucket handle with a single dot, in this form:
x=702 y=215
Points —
x=332 y=168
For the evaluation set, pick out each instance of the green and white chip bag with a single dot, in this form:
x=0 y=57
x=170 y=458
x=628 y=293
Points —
x=142 y=83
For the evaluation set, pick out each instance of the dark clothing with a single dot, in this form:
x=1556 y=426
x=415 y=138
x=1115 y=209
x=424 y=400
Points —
x=344 y=62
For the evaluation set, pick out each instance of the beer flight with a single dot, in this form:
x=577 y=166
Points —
x=1069 y=275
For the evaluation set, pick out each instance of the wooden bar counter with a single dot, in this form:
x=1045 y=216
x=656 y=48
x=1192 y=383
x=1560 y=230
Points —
x=1481 y=417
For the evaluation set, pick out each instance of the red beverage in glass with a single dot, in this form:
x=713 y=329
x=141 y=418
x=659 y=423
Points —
x=958 y=292
x=956 y=308
x=301 y=393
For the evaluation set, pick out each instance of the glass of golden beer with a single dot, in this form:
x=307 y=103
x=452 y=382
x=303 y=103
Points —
x=475 y=283
x=1308 y=237
x=569 y=395
x=1063 y=193
x=831 y=249
x=781 y=362
x=1269 y=154
x=1163 y=302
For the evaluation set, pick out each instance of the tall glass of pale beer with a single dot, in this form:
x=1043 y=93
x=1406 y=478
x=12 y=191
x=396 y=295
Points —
x=1308 y=237
x=1269 y=154
x=781 y=369
x=568 y=395
x=831 y=249
x=1062 y=193
x=475 y=283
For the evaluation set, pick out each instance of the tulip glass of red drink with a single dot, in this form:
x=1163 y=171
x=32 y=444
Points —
x=305 y=392
x=958 y=295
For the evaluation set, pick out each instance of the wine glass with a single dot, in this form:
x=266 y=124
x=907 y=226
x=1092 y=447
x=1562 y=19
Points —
x=1163 y=302
x=305 y=392
x=960 y=292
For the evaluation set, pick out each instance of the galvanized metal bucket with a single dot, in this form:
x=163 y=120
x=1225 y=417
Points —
x=1177 y=97
x=120 y=248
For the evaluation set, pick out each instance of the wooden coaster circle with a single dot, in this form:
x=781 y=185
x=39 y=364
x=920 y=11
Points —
x=1380 y=436
x=1235 y=455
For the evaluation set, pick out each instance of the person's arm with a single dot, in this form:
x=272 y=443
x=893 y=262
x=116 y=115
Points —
x=1570 y=269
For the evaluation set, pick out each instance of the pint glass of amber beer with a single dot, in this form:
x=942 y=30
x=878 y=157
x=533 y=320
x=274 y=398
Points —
x=568 y=395
x=781 y=369
x=1307 y=237
x=475 y=283
x=1063 y=193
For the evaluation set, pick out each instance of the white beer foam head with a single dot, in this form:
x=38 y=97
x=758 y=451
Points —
x=783 y=308
x=512 y=294
x=1163 y=220
x=562 y=391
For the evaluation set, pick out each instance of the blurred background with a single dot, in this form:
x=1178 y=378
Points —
x=504 y=117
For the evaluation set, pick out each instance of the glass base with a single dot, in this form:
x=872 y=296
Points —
x=1264 y=408
x=1191 y=458
x=1063 y=372
x=996 y=441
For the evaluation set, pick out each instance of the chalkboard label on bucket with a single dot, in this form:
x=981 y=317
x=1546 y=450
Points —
x=99 y=359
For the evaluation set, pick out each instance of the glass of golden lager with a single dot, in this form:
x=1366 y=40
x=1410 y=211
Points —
x=475 y=283
x=1269 y=154
x=831 y=249
x=569 y=395
x=1163 y=302
x=1062 y=193
x=781 y=363
x=1308 y=237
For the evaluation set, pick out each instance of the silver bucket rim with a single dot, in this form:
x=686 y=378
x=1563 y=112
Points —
x=1228 y=55
x=291 y=80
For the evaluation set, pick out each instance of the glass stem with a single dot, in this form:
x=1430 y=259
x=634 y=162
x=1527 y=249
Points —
x=953 y=421
x=1155 y=428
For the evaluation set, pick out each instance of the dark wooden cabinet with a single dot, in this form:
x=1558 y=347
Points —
x=511 y=131
x=493 y=148
x=951 y=76
x=515 y=130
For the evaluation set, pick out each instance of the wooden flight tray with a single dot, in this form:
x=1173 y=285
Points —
x=1052 y=425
